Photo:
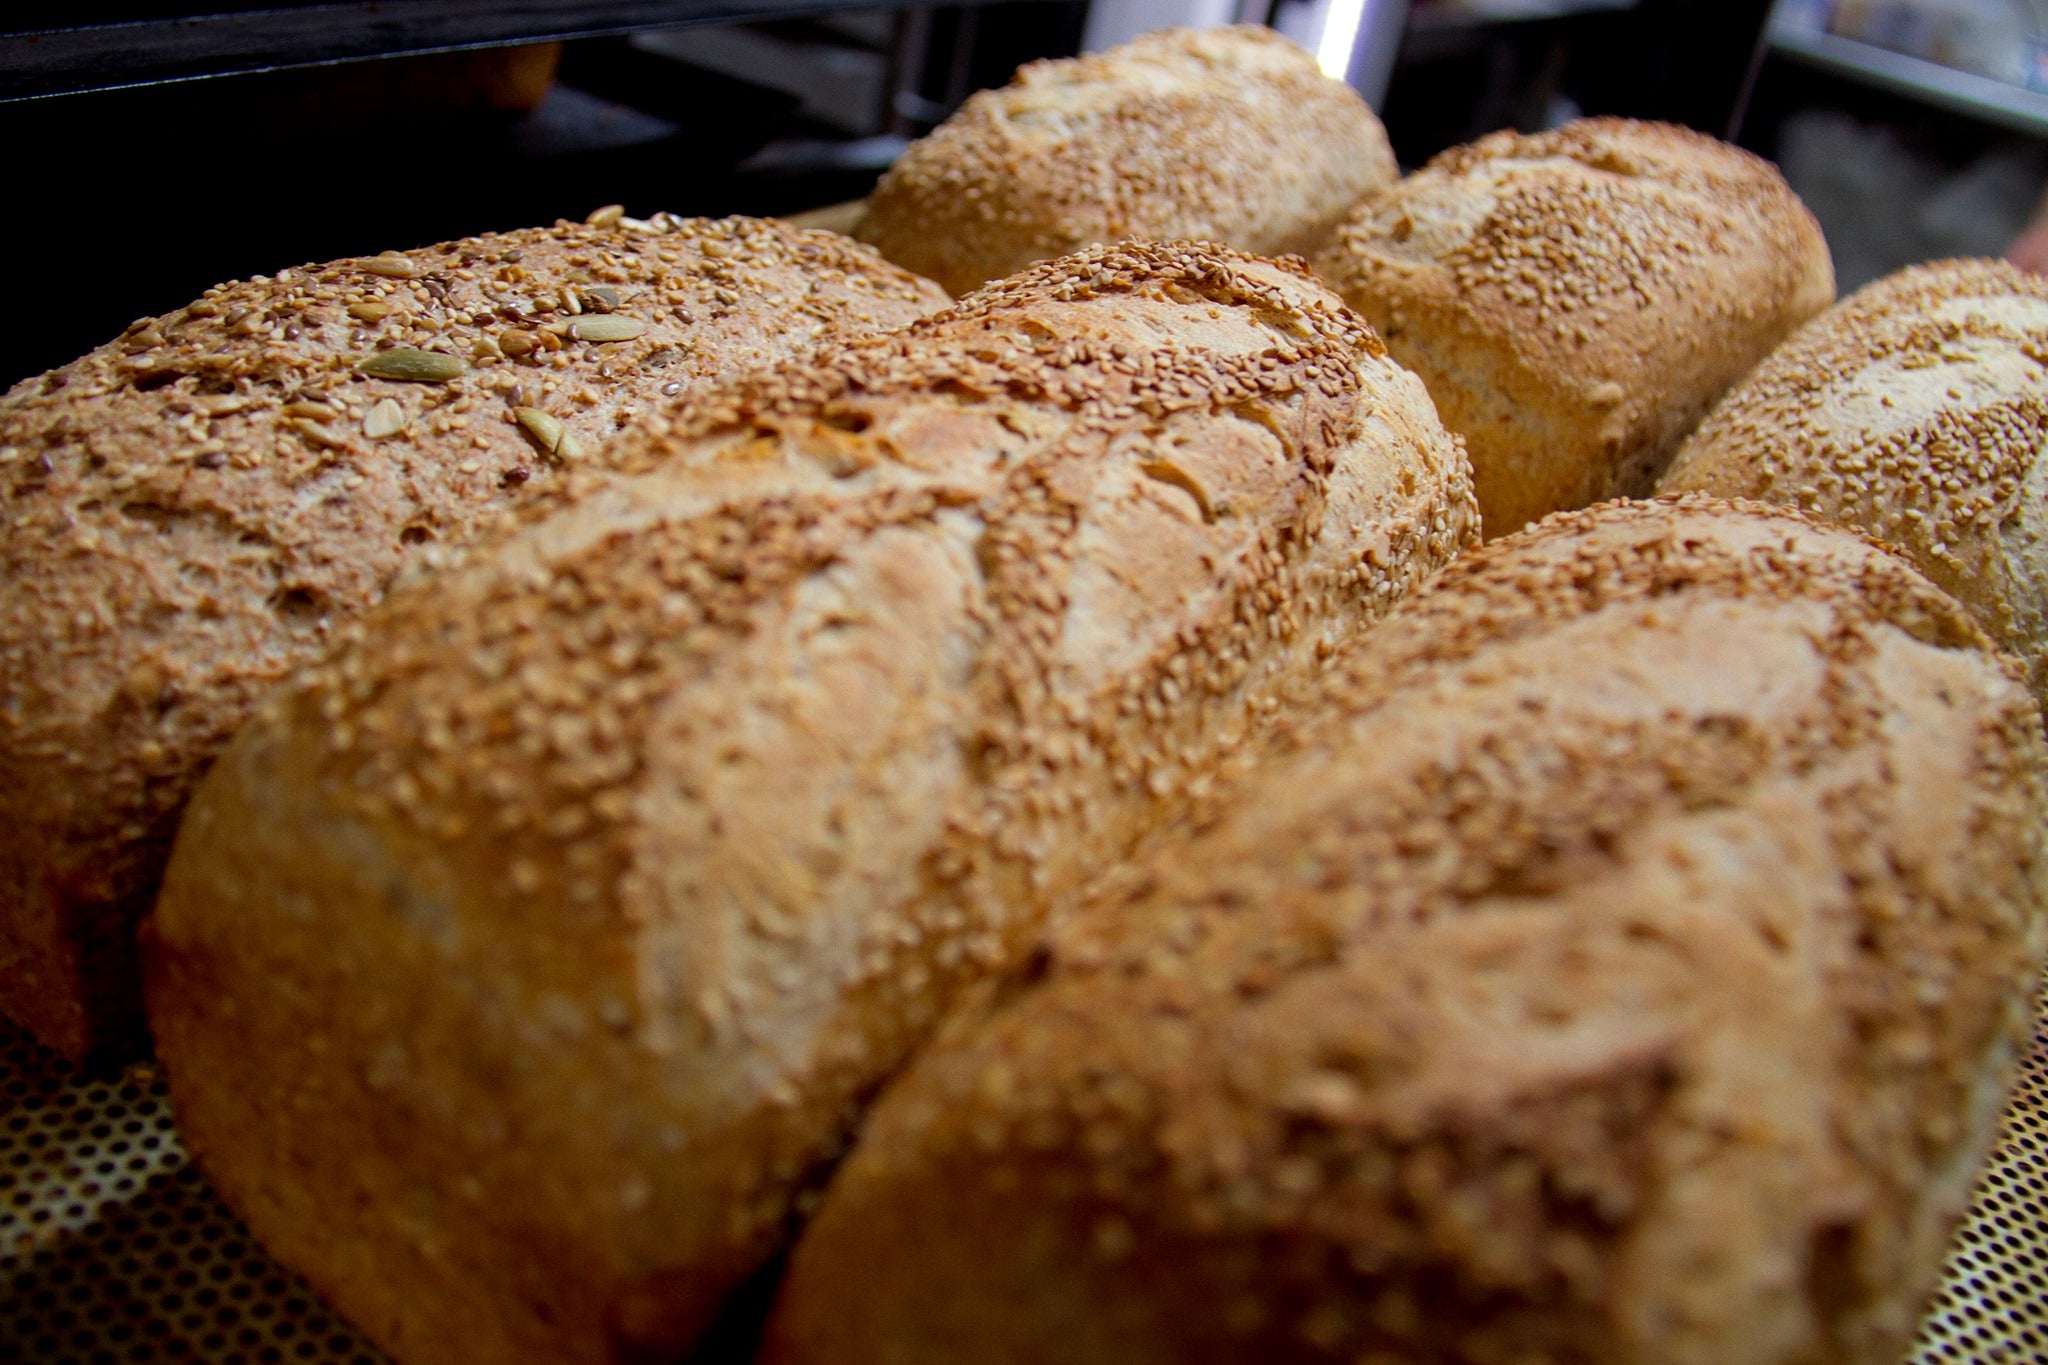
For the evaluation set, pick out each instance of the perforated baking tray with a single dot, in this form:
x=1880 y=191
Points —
x=112 y=1250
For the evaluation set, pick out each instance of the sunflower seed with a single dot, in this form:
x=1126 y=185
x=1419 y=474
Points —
x=392 y=265
x=403 y=362
x=517 y=341
x=385 y=418
x=320 y=435
x=319 y=412
x=370 y=310
x=608 y=216
x=546 y=430
x=606 y=327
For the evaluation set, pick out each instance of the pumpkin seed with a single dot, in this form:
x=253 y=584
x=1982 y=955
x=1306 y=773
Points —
x=403 y=362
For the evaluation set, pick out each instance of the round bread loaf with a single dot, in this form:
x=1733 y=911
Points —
x=1574 y=300
x=192 y=509
x=521 y=966
x=1626 y=965
x=1229 y=135
x=1916 y=409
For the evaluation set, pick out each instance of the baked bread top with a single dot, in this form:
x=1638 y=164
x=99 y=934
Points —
x=190 y=510
x=1576 y=299
x=1230 y=135
x=1624 y=963
x=1916 y=409
x=641 y=843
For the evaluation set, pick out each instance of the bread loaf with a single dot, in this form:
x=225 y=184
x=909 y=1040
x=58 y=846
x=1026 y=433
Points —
x=1576 y=299
x=193 y=509
x=1628 y=970
x=1230 y=135
x=522 y=965
x=1915 y=409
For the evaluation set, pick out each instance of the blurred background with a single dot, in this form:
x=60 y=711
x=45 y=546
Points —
x=157 y=148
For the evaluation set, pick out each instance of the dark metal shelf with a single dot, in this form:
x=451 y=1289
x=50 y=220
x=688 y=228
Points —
x=1495 y=12
x=40 y=55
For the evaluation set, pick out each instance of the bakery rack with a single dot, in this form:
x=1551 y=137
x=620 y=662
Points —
x=1959 y=92
x=113 y=1251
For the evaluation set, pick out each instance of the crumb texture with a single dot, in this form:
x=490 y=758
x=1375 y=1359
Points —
x=1570 y=987
x=1916 y=409
x=191 y=511
x=1229 y=135
x=1574 y=300
x=523 y=966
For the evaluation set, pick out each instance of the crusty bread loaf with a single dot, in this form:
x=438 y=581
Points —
x=1630 y=970
x=1915 y=409
x=519 y=967
x=1576 y=299
x=1230 y=135
x=192 y=510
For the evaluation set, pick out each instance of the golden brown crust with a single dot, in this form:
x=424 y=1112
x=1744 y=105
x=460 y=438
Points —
x=1623 y=963
x=1575 y=299
x=190 y=511
x=1229 y=135
x=1916 y=409
x=598 y=883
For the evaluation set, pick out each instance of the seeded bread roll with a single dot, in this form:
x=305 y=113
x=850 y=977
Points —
x=1628 y=968
x=1229 y=135
x=193 y=509
x=1915 y=409
x=523 y=964
x=1576 y=299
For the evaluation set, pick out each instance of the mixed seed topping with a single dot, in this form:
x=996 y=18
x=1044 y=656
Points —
x=192 y=510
